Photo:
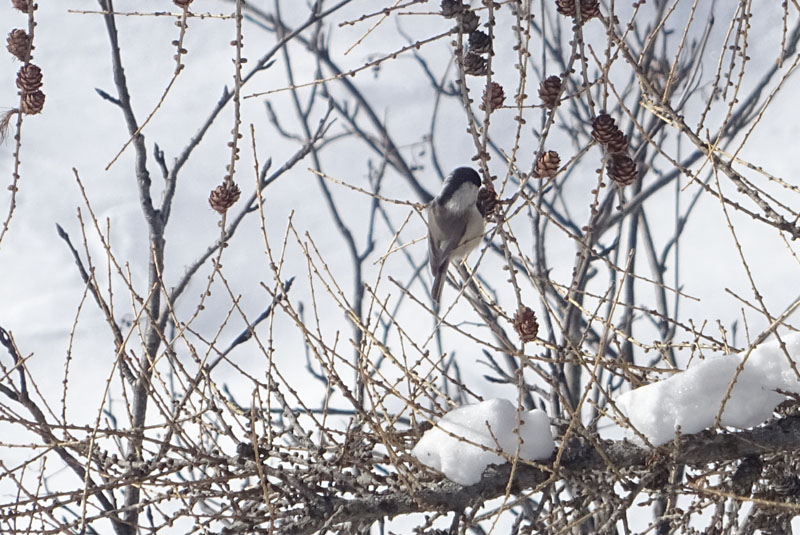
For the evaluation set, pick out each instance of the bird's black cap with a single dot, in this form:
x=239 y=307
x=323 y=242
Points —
x=466 y=174
x=456 y=178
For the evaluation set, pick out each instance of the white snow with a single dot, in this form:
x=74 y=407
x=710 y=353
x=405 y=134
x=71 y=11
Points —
x=466 y=440
x=692 y=399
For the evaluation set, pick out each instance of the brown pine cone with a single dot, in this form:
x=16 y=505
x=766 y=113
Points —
x=603 y=128
x=566 y=7
x=487 y=201
x=547 y=164
x=493 y=97
x=788 y=485
x=590 y=9
x=618 y=144
x=549 y=90
x=19 y=44
x=32 y=103
x=622 y=170
x=22 y=5
x=29 y=78
x=525 y=324
x=480 y=42
x=224 y=196
x=475 y=65
x=469 y=21
x=452 y=8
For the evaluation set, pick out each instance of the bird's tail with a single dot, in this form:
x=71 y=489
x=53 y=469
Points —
x=438 y=283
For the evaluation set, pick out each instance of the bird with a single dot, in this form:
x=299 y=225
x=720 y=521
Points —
x=455 y=224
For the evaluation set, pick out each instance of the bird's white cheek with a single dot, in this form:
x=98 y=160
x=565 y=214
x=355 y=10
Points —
x=463 y=199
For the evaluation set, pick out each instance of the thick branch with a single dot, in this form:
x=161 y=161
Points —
x=579 y=457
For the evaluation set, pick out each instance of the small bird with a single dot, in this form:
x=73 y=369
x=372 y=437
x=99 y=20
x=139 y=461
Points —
x=455 y=225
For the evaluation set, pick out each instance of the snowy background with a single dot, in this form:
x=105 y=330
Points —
x=41 y=292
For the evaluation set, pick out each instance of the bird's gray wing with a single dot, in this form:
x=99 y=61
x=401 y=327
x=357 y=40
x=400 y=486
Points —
x=445 y=232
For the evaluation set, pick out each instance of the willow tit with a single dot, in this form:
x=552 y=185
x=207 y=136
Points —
x=455 y=225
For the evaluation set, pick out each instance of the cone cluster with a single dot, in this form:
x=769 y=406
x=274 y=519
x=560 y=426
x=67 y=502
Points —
x=549 y=90
x=29 y=82
x=606 y=132
x=29 y=77
x=621 y=168
x=525 y=324
x=479 y=43
x=224 y=196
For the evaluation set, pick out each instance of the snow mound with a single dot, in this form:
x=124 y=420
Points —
x=692 y=399
x=452 y=446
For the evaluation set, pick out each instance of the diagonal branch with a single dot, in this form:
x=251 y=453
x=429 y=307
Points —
x=119 y=340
